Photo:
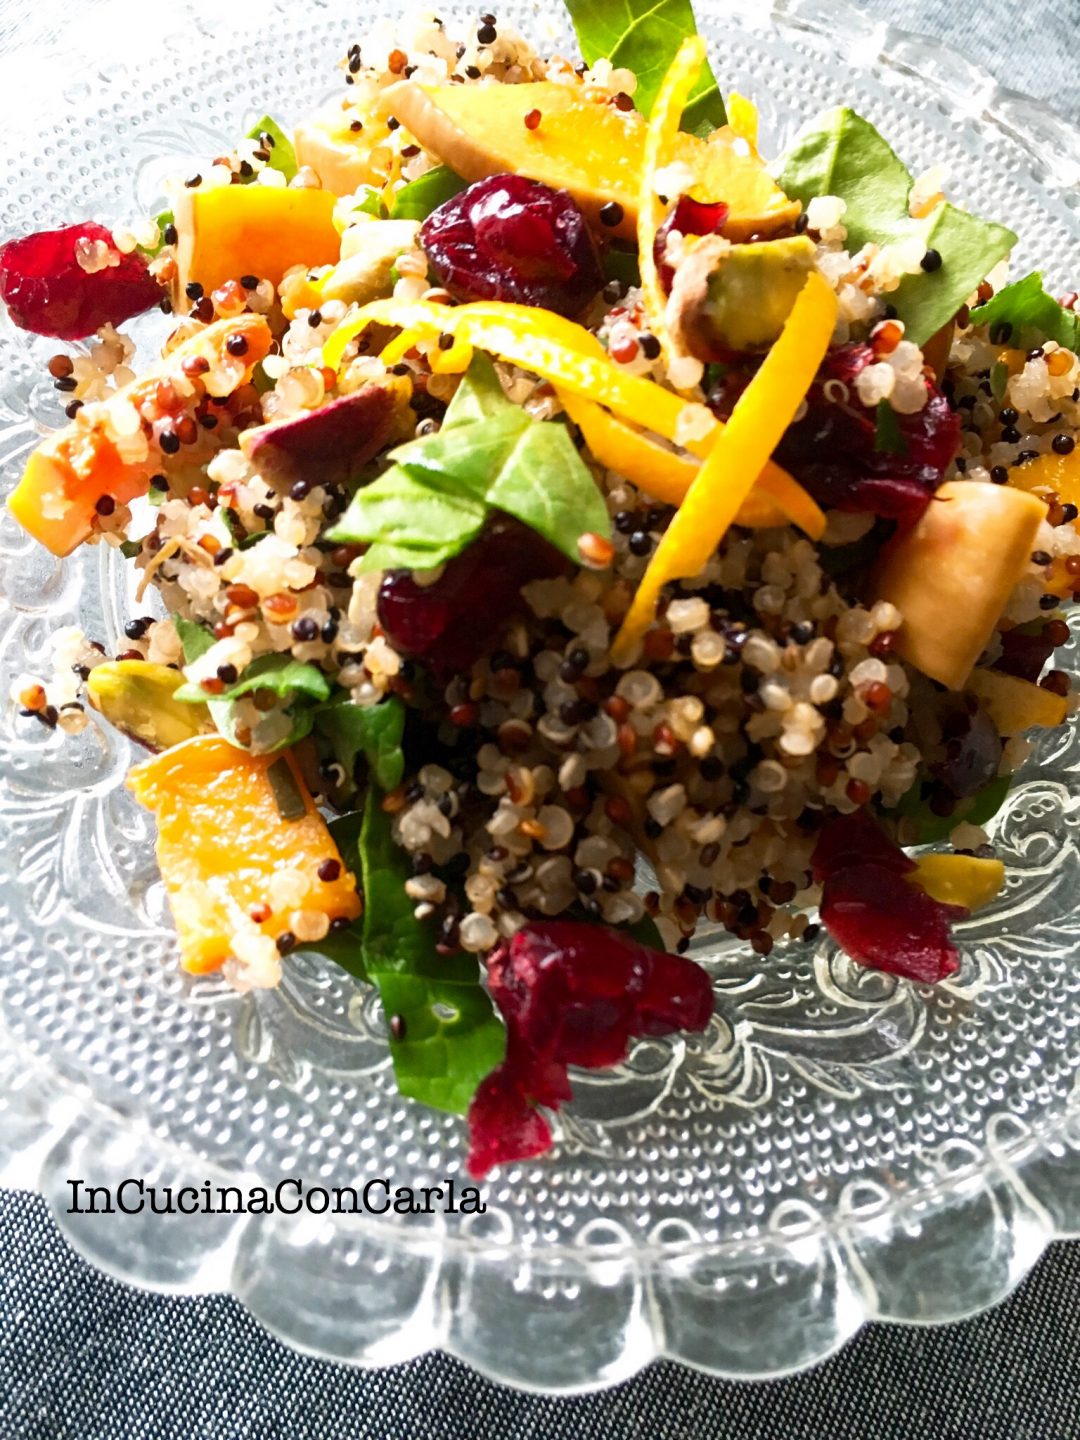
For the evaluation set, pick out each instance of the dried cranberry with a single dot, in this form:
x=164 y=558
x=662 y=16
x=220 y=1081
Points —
x=831 y=449
x=875 y=914
x=450 y=624
x=571 y=994
x=508 y=238
x=1024 y=652
x=47 y=291
x=689 y=217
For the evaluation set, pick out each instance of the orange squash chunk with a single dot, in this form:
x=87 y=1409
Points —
x=69 y=472
x=228 y=856
x=594 y=150
x=261 y=230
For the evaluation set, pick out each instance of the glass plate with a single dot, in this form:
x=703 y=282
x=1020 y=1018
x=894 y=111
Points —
x=838 y=1146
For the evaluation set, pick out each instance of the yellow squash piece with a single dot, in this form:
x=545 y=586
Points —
x=70 y=471
x=776 y=499
x=661 y=139
x=763 y=412
x=226 y=853
x=952 y=573
x=137 y=697
x=1014 y=704
x=593 y=149
x=965 y=880
x=261 y=230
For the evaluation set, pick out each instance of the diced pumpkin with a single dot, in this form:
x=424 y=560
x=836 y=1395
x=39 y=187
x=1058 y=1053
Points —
x=137 y=697
x=339 y=155
x=227 y=854
x=1014 y=704
x=70 y=471
x=594 y=150
x=951 y=574
x=261 y=230
x=967 y=880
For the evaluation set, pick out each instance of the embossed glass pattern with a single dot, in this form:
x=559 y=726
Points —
x=838 y=1145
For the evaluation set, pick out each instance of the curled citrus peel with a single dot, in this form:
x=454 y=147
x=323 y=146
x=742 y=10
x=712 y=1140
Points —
x=763 y=412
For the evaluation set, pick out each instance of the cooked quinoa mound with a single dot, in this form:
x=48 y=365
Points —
x=689 y=784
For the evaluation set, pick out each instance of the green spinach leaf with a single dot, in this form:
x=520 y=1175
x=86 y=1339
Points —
x=281 y=151
x=279 y=673
x=489 y=454
x=373 y=731
x=419 y=198
x=842 y=154
x=273 y=672
x=644 y=36
x=451 y=1037
x=1031 y=314
x=976 y=810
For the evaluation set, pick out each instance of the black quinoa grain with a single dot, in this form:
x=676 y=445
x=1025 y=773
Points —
x=639 y=543
x=931 y=261
x=170 y=235
x=264 y=512
x=1010 y=435
x=473 y=72
x=487 y=35
x=300 y=489
x=105 y=505
x=612 y=214
x=228 y=674
x=73 y=409
x=650 y=346
x=193 y=290
x=236 y=344
x=305 y=628
x=999 y=475
x=315 y=319
x=584 y=882
x=165 y=305
x=286 y=941
x=1063 y=444
x=249 y=282
x=328 y=633
x=329 y=870
x=136 y=629
x=801 y=222
x=339 y=923
x=1040 y=557
x=1049 y=602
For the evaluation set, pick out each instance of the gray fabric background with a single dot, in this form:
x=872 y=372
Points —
x=85 y=1358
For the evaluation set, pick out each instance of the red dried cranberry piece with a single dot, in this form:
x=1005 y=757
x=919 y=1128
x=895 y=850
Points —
x=508 y=238
x=571 y=994
x=47 y=291
x=873 y=913
x=831 y=449
x=689 y=217
x=450 y=624
x=1024 y=654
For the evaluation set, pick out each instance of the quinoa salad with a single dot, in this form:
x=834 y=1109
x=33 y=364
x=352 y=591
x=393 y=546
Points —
x=560 y=530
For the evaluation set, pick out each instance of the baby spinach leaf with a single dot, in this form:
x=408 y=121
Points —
x=419 y=198
x=888 y=437
x=401 y=513
x=1031 y=314
x=489 y=454
x=368 y=201
x=272 y=672
x=451 y=1037
x=480 y=396
x=527 y=469
x=842 y=154
x=279 y=673
x=373 y=731
x=644 y=36
x=930 y=829
x=281 y=151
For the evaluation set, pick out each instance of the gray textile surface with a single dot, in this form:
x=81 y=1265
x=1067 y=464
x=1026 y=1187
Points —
x=85 y=1358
